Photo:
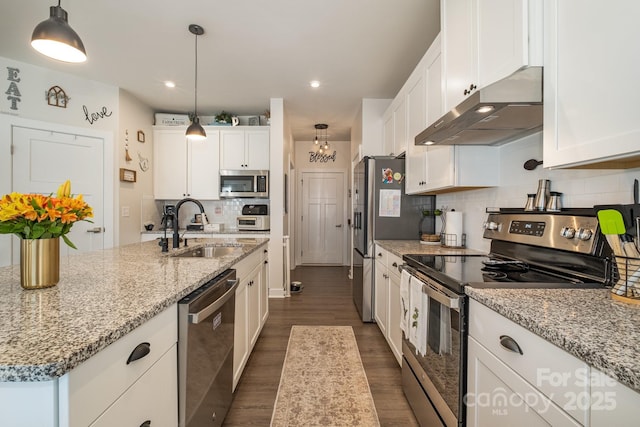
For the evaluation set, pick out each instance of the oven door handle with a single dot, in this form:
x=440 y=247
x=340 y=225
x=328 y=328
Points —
x=441 y=297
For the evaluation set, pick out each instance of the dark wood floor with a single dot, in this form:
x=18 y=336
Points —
x=325 y=300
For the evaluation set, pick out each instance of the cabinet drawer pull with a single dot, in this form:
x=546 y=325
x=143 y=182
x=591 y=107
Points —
x=510 y=344
x=139 y=352
x=146 y=424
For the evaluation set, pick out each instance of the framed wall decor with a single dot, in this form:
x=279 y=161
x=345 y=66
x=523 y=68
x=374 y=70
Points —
x=140 y=136
x=127 y=175
x=254 y=121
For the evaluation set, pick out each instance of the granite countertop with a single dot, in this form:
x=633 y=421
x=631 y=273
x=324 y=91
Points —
x=587 y=323
x=403 y=247
x=207 y=232
x=101 y=297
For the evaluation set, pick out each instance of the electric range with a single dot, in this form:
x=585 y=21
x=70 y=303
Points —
x=527 y=250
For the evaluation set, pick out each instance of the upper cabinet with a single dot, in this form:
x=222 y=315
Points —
x=484 y=41
x=395 y=127
x=244 y=149
x=590 y=98
x=183 y=168
x=424 y=100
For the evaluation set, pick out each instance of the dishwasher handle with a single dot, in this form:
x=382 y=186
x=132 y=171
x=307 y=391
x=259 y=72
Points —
x=198 y=317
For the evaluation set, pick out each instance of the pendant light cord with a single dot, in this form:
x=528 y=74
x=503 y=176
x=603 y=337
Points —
x=196 y=84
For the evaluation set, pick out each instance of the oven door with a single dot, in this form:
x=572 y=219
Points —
x=436 y=359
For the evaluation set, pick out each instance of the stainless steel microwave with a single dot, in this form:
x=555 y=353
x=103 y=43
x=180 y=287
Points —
x=244 y=183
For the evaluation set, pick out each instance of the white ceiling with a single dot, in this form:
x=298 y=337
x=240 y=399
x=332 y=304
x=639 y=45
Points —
x=252 y=50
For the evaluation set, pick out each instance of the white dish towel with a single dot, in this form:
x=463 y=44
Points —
x=416 y=323
x=405 y=278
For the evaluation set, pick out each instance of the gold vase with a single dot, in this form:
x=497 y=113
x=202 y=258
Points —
x=39 y=263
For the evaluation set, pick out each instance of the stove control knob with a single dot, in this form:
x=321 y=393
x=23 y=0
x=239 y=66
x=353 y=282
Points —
x=490 y=225
x=584 y=234
x=568 y=232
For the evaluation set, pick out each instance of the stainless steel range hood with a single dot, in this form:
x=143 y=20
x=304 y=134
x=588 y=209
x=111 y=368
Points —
x=504 y=111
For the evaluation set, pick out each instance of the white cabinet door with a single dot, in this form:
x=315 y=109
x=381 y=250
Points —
x=394 y=332
x=380 y=302
x=244 y=149
x=487 y=40
x=388 y=131
x=456 y=166
x=169 y=164
x=203 y=178
x=264 y=288
x=497 y=396
x=400 y=128
x=185 y=168
x=509 y=37
x=257 y=143
x=612 y=403
x=459 y=54
x=253 y=305
x=240 y=332
x=232 y=149
x=590 y=108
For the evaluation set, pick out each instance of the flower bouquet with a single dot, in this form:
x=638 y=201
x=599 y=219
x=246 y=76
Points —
x=36 y=216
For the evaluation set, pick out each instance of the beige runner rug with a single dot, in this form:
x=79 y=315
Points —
x=323 y=382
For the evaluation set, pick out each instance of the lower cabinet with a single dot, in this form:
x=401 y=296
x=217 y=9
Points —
x=151 y=399
x=105 y=390
x=387 y=299
x=100 y=388
x=252 y=308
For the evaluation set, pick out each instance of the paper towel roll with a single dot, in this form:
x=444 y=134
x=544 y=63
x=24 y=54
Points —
x=453 y=228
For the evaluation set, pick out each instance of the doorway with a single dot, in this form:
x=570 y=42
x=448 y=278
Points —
x=322 y=218
x=43 y=159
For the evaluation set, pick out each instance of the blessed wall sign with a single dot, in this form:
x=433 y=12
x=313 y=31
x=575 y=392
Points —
x=317 y=157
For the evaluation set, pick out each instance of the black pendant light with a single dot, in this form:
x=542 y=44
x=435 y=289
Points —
x=56 y=39
x=319 y=127
x=196 y=131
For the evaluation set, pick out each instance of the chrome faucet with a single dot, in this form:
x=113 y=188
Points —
x=176 y=233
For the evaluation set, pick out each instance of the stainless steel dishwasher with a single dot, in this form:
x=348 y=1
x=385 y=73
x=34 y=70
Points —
x=205 y=352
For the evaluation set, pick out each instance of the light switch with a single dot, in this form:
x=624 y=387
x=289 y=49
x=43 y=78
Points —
x=125 y=211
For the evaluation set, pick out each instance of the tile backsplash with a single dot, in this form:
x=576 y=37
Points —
x=580 y=188
x=218 y=211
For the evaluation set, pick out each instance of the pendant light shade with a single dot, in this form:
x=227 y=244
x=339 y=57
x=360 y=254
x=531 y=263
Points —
x=196 y=131
x=56 y=39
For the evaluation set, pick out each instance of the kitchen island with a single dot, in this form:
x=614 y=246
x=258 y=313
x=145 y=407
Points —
x=101 y=297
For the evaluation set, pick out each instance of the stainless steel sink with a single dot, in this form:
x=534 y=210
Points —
x=209 y=252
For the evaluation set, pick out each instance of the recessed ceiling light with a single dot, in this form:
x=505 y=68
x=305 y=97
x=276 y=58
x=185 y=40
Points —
x=314 y=83
x=170 y=84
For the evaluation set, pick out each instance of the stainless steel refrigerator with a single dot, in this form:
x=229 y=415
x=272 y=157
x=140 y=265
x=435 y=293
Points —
x=381 y=211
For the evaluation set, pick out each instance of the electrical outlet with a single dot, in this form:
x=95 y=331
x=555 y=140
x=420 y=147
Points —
x=125 y=211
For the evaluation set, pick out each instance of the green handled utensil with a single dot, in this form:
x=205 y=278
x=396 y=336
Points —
x=612 y=226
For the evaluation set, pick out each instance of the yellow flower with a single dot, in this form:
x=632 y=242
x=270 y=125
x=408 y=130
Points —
x=65 y=189
x=36 y=216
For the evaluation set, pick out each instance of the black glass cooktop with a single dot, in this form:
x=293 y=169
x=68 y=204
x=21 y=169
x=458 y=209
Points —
x=457 y=271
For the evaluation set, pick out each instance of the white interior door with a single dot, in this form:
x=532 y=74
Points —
x=322 y=222
x=42 y=160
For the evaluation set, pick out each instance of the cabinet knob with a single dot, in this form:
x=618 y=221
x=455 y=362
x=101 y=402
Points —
x=472 y=87
x=139 y=352
x=395 y=264
x=510 y=344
